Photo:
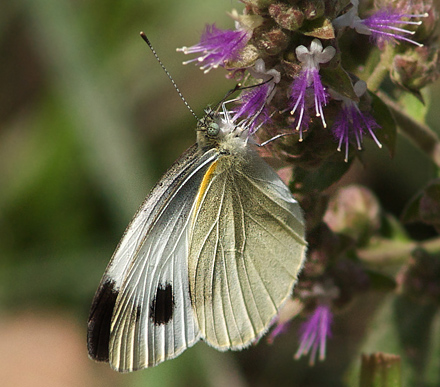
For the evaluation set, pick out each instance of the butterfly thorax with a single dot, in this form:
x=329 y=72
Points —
x=219 y=132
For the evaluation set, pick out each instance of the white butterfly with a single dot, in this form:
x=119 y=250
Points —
x=212 y=254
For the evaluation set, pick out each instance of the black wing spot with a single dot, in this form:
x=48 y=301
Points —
x=161 y=308
x=98 y=326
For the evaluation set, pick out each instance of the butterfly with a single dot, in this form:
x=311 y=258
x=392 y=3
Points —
x=212 y=254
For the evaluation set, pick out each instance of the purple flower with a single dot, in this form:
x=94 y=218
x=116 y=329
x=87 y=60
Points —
x=253 y=106
x=217 y=47
x=314 y=333
x=351 y=123
x=383 y=26
x=253 y=101
x=307 y=88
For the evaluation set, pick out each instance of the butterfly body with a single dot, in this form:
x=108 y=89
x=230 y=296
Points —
x=212 y=254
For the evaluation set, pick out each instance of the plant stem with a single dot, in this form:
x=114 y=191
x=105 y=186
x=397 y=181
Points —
x=388 y=252
x=381 y=70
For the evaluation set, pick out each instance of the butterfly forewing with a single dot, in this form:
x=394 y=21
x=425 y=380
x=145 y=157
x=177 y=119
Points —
x=246 y=249
x=142 y=313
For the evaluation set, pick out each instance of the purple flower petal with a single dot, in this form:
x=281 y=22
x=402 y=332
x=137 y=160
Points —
x=253 y=105
x=321 y=97
x=351 y=125
x=217 y=47
x=298 y=98
x=254 y=99
x=384 y=26
x=314 y=333
x=307 y=88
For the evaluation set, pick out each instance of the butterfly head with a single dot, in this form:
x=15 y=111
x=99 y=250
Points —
x=218 y=129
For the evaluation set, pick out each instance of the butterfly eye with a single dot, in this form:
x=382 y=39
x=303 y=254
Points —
x=213 y=129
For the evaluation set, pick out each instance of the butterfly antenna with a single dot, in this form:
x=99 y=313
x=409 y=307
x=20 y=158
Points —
x=143 y=36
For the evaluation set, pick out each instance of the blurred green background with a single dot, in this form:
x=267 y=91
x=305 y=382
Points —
x=88 y=123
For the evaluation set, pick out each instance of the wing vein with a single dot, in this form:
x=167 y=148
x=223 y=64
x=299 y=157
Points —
x=242 y=249
x=227 y=284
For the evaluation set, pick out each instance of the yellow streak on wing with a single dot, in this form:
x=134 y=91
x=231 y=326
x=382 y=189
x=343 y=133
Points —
x=205 y=182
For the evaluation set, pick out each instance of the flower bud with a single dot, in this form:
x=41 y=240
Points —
x=353 y=211
x=288 y=17
x=271 y=42
x=381 y=366
x=313 y=9
x=257 y=6
x=248 y=57
x=416 y=68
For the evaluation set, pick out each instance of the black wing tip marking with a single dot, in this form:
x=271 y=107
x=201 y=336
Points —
x=162 y=306
x=98 y=326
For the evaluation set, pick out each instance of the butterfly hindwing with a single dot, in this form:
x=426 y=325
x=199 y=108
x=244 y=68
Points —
x=250 y=232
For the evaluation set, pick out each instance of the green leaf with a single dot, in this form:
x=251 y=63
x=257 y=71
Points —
x=339 y=80
x=411 y=210
x=425 y=205
x=329 y=172
x=321 y=28
x=391 y=228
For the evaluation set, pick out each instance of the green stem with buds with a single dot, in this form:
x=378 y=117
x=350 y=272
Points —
x=386 y=252
x=381 y=70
